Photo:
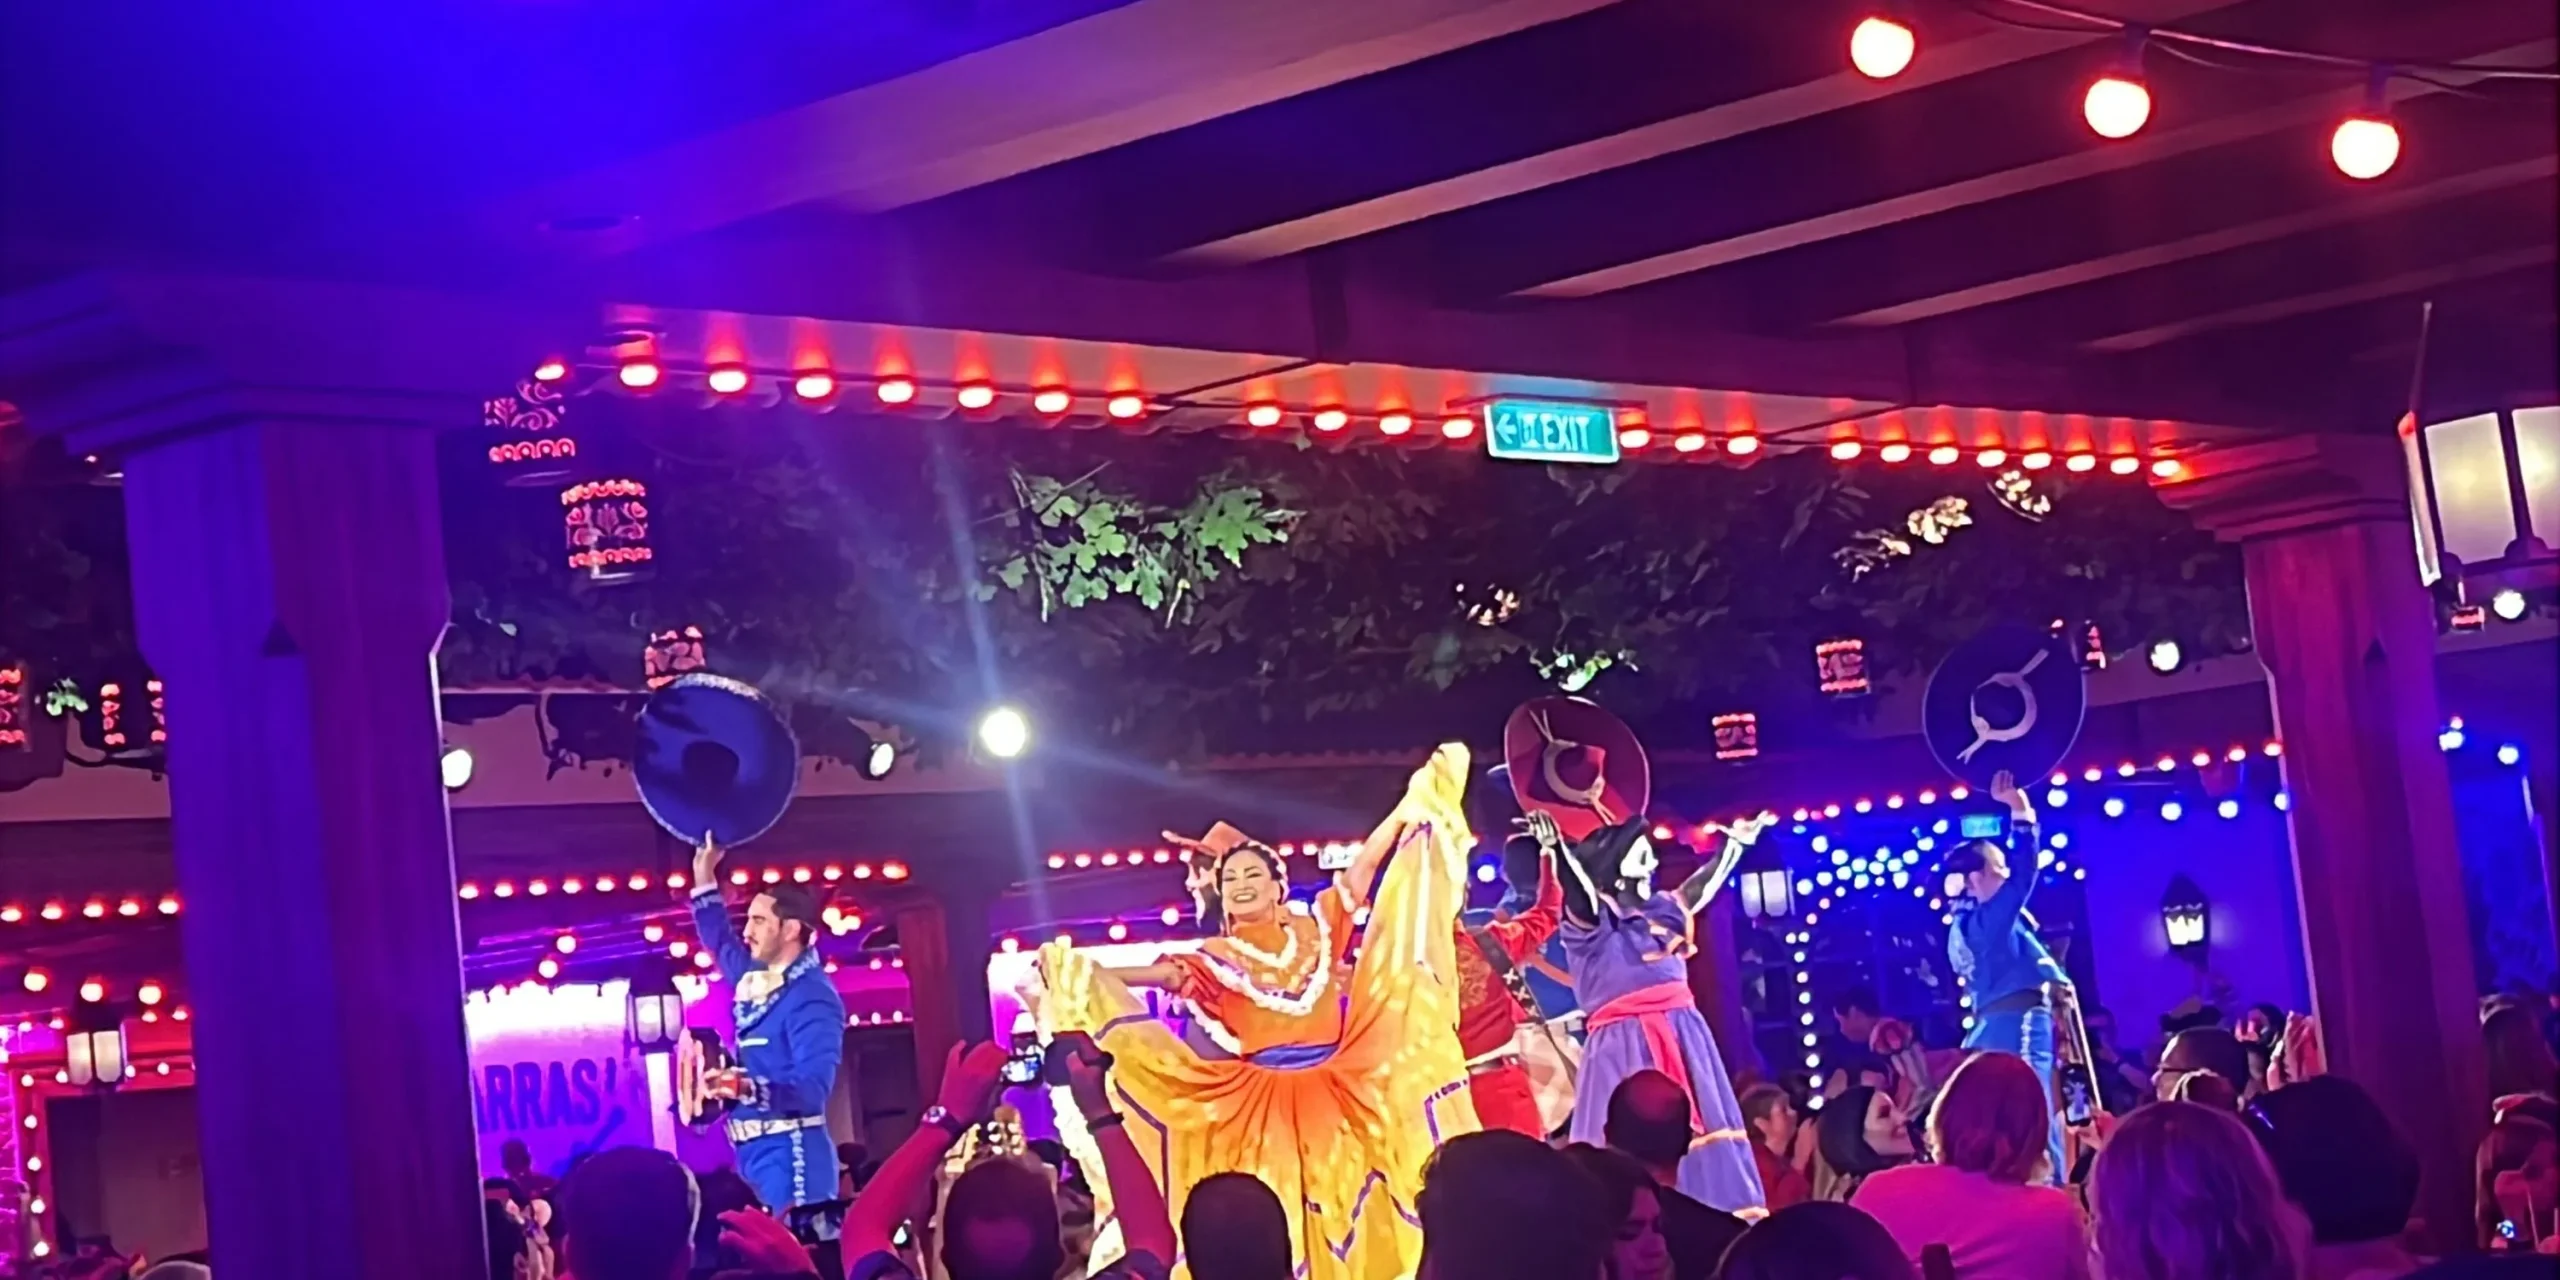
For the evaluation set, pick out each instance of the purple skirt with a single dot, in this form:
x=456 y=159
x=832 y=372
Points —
x=1718 y=1170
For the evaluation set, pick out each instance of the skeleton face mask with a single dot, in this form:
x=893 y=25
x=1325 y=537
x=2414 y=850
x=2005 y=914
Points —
x=1637 y=867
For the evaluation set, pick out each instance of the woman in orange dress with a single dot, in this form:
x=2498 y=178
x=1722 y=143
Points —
x=1342 y=1080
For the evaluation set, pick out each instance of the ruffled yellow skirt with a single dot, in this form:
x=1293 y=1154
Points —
x=1342 y=1142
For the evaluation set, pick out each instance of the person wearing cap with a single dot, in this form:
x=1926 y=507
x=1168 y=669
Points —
x=1494 y=1001
x=1996 y=954
x=790 y=1035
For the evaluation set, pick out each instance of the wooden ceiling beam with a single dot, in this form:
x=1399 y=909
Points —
x=2312 y=303
x=1143 y=68
x=2220 y=240
x=2148 y=148
x=1836 y=92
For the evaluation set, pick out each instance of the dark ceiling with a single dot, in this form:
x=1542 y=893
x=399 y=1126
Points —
x=1703 y=167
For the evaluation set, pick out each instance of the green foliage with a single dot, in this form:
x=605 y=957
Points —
x=1078 y=544
x=1163 y=597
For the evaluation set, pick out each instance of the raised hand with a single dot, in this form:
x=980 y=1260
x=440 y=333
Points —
x=972 y=1080
x=2004 y=788
x=706 y=861
x=1542 y=828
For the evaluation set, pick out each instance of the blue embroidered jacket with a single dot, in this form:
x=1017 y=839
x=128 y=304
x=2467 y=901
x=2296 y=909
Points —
x=1993 y=946
x=790 y=1041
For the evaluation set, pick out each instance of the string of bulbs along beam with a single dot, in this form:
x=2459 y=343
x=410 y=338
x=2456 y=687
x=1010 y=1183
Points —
x=2365 y=144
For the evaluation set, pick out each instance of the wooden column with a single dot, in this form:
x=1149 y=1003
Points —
x=289 y=587
x=944 y=939
x=2348 y=638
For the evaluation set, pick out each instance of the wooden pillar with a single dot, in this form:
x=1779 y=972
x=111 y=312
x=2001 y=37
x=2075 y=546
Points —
x=944 y=939
x=2348 y=638
x=290 y=589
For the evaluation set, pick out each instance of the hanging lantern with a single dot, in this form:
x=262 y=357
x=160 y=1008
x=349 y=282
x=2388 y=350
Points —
x=93 y=1048
x=535 y=450
x=1766 y=894
x=2484 y=502
x=607 y=526
x=657 y=1011
x=1737 y=735
x=673 y=653
x=2184 y=916
x=1843 y=667
x=129 y=716
x=15 y=712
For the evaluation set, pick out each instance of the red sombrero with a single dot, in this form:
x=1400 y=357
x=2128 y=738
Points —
x=1576 y=763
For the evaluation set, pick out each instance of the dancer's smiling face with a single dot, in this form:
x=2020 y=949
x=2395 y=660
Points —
x=1247 y=890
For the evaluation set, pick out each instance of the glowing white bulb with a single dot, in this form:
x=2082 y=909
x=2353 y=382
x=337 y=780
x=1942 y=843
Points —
x=1881 y=48
x=2117 y=105
x=2365 y=146
x=2165 y=656
x=2508 y=604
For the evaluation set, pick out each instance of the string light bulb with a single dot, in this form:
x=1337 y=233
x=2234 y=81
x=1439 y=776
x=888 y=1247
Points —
x=2118 y=103
x=1263 y=414
x=2367 y=144
x=1881 y=46
x=975 y=396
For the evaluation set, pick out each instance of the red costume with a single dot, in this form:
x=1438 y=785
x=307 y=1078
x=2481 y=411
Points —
x=1488 y=1014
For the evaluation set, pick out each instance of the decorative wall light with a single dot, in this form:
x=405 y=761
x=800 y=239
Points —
x=657 y=1011
x=672 y=653
x=15 y=710
x=536 y=451
x=93 y=1047
x=606 y=524
x=1737 y=735
x=2486 y=490
x=2185 y=917
x=1842 y=665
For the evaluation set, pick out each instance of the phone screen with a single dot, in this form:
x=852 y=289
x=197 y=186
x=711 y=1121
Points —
x=1982 y=826
x=817 y=1223
x=2077 y=1105
x=1023 y=1067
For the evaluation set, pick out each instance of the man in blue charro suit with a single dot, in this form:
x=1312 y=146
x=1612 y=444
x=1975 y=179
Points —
x=1994 y=949
x=790 y=1035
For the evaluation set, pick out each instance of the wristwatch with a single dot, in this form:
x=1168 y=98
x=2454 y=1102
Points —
x=941 y=1118
x=1096 y=1124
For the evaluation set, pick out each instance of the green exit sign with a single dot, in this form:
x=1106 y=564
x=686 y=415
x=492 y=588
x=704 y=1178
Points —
x=1550 y=431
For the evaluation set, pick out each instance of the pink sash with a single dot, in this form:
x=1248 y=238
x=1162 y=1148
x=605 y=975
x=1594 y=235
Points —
x=1651 y=1008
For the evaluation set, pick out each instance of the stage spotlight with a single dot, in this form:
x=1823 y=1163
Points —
x=974 y=396
x=1881 y=47
x=456 y=767
x=1005 y=733
x=2165 y=656
x=2508 y=604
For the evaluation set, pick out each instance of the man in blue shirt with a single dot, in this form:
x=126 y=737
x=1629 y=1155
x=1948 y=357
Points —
x=790 y=1036
x=1995 y=951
